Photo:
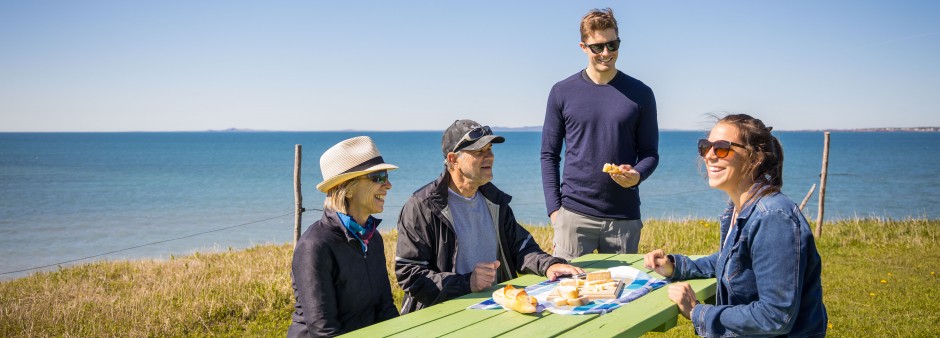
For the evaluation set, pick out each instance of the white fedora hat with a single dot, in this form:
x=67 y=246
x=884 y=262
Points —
x=349 y=159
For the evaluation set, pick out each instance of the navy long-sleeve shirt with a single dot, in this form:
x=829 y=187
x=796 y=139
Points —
x=597 y=124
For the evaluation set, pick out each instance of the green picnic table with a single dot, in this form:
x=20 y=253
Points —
x=652 y=312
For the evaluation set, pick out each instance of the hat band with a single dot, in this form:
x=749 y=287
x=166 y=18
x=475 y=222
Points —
x=365 y=165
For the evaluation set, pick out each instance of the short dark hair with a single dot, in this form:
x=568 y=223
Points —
x=598 y=20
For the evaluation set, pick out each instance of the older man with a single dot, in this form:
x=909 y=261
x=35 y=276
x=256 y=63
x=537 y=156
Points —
x=458 y=235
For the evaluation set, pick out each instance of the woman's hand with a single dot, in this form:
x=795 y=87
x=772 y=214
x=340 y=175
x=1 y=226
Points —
x=656 y=260
x=683 y=295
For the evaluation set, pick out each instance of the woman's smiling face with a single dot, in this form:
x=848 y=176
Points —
x=367 y=198
x=728 y=173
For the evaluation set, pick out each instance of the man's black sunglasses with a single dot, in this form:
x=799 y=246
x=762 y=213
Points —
x=471 y=136
x=598 y=48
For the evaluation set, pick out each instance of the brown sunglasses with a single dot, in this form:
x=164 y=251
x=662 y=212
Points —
x=722 y=147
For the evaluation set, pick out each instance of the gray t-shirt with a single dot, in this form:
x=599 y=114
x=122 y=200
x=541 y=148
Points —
x=476 y=234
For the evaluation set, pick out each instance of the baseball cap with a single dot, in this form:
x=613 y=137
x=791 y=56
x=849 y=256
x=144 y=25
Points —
x=467 y=135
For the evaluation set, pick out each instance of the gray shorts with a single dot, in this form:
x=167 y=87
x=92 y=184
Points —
x=577 y=235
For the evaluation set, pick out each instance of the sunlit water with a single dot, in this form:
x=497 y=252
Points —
x=65 y=196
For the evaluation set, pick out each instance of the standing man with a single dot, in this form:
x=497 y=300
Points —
x=458 y=235
x=600 y=115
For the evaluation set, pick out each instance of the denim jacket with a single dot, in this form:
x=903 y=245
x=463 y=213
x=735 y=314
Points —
x=768 y=275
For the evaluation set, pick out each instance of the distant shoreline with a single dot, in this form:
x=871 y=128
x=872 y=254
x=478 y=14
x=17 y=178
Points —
x=539 y=129
x=495 y=129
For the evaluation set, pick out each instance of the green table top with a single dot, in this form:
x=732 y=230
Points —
x=652 y=312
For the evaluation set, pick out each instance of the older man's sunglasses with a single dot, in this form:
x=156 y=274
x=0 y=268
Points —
x=598 y=48
x=380 y=177
x=722 y=147
x=471 y=136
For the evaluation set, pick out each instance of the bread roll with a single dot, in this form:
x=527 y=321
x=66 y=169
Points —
x=567 y=292
x=515 y=299
x=579 y=301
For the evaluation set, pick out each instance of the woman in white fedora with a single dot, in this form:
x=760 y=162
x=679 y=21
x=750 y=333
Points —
x=339 y=275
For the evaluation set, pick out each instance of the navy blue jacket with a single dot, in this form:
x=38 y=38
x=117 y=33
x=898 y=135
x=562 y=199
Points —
x=338 y=288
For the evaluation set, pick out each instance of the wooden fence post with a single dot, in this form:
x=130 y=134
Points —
x=298 y=197
x=806 y=199
x=822 y=186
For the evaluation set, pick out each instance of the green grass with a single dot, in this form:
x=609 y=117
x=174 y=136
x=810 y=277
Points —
x=879 y=279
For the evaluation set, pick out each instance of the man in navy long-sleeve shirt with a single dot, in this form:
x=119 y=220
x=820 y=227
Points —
x=600 y=115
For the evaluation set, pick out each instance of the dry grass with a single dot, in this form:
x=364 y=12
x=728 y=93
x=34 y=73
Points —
x=879 y=279
x=238 y=291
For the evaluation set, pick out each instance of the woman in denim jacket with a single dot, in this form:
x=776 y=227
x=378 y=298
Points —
x=767 y=267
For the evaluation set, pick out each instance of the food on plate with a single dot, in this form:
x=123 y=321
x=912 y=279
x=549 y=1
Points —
x=585 y=288
x=583 y=300
x=598 y=286
x=566 y=291
x=598 y=276
x=570 y=282
x=515 y=299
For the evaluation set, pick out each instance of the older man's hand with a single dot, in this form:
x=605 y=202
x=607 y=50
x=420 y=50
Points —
x=483 y=276
x=559 y=269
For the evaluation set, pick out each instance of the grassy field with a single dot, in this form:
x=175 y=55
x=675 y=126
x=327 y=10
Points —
x=879 y=279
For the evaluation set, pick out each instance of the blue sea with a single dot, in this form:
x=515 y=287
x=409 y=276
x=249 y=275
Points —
x=66 y=196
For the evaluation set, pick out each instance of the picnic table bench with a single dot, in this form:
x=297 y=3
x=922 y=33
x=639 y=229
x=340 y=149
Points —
x=652 y=312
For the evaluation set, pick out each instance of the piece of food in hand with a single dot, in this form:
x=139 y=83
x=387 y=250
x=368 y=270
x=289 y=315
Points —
x=515 y=299
x=579 y=301
x=611 y=168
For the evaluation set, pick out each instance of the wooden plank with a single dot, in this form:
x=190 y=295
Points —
x=449 y=324
x=669 y=324
x=462 y=323
x=451 y=318
x=500 y=324
x=438 y=311
x=645 y=314
x=616 y=260
x=549 y=326
x=414 y=319
x=653 y=312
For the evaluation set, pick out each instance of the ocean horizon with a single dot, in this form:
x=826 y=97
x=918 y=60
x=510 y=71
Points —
x=69 y=195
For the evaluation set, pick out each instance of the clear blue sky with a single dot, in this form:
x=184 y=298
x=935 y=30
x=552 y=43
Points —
x=418 y=65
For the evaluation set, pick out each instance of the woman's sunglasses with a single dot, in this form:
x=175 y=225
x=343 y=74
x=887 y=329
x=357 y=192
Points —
x=380 y=177
x=471 y=136
x=722 y=147
x=598 y=48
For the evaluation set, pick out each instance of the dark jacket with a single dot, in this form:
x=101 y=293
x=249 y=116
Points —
x=425 y=260
x=337 y=287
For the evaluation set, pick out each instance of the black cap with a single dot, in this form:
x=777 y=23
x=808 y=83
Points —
x=455 y=133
